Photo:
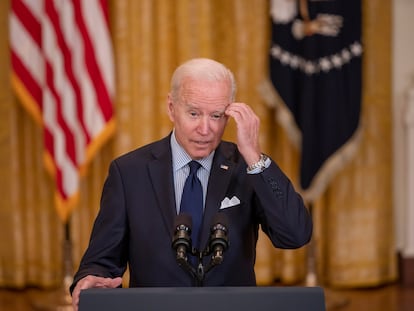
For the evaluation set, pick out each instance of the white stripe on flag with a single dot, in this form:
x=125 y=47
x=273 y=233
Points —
x=27 y=50
x=63 y=162
x=97 y=28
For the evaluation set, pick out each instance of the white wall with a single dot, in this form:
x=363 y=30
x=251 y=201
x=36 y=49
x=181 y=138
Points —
x=403 y=81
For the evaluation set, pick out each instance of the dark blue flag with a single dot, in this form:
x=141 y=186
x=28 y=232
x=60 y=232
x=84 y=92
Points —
x=315 y=68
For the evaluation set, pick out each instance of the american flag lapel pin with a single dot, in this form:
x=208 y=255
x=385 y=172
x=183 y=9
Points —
x=224 y=167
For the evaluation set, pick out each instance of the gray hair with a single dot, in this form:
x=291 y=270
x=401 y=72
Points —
x=201 y=69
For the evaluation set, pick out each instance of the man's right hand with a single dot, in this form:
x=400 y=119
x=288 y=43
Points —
x=91 y=281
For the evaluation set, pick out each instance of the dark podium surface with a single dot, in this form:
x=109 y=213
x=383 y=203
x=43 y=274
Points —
x=204 y=298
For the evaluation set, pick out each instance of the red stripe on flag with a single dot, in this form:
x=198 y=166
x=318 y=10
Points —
x=104 y=9
x=104 y=99
x=69 y=139
x=50 y=142
x=27 y=19
x=27 y=79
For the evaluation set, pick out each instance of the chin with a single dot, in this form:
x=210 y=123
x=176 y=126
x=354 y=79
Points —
x=200 y=154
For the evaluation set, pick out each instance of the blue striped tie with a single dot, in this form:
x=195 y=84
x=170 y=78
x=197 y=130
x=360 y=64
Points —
x=192 y=201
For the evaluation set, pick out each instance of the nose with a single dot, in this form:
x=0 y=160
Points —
x=204 y=125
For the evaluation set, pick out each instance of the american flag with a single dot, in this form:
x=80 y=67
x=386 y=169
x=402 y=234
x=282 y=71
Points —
x=63 y=74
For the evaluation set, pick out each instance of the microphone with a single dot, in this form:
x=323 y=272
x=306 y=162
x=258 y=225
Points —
x=218 y=239
x=181 y=242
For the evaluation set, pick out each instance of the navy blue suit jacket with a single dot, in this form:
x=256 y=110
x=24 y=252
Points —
x=135 y=223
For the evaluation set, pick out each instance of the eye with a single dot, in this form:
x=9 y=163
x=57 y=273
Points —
x=216 y=116
x=193 y=114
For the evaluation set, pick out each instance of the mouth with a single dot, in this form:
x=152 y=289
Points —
x=201 y=143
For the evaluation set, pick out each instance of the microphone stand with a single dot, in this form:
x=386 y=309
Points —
x=199 y=273
x=216 y=259
x=183 y=262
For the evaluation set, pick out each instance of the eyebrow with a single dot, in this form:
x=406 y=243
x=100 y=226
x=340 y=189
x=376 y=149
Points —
x=194 y=106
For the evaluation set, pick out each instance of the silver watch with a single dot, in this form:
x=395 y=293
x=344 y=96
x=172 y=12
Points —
x=261 y=164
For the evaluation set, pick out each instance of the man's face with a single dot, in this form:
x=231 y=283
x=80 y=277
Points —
x=198 y=116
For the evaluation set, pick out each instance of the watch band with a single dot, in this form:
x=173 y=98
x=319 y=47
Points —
x=259 y=166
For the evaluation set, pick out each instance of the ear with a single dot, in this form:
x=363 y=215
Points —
x=170 y=108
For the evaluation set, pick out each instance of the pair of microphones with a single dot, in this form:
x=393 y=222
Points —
x=218 y=243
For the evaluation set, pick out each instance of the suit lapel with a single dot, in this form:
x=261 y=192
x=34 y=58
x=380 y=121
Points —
x=220 y=176
x=160 y=171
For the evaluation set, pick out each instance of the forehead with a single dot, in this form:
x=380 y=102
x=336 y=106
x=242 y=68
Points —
x=206 y=92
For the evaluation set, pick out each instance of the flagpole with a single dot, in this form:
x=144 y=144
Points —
x=64 y=298
x=332 y=300
x=311 y=276
x=67 y=265
x=60 y=299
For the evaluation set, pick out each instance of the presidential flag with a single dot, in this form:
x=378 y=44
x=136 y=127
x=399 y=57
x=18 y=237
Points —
x=315 y=71
x=63 y=74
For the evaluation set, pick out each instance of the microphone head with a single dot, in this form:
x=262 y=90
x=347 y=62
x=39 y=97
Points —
x=182 y=232
x=218 y=242
x=183 y=219
x=219 y=219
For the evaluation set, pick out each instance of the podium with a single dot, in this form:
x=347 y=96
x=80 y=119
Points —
x=203 y=299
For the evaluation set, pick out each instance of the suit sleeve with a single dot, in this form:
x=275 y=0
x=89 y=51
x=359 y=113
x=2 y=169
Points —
x=280 y=209
x=106 y=254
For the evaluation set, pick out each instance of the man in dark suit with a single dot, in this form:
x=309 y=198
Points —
x=142 y=193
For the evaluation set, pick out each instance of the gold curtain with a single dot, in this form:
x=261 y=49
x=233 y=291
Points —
x=353 y=219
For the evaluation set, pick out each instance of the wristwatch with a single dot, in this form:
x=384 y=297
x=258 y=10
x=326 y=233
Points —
x=259 y=166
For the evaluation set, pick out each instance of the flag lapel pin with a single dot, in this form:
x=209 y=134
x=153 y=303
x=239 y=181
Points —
x=224 y=167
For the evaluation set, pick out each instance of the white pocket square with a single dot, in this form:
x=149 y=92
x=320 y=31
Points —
x=226 y=203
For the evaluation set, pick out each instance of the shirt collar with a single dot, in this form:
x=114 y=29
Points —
x=180 y=157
